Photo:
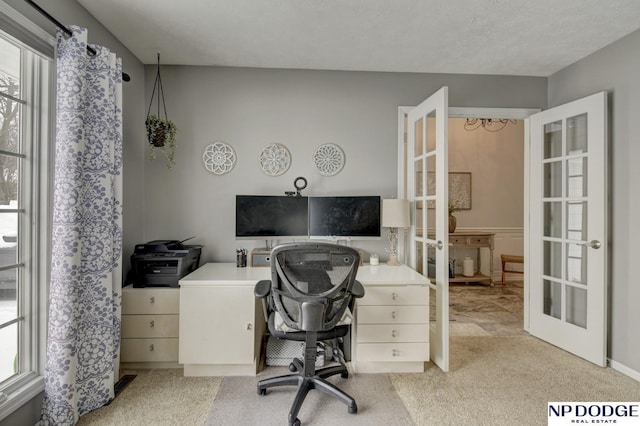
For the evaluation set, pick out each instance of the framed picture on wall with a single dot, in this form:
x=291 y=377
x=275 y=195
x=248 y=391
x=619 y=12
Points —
x=459 y=189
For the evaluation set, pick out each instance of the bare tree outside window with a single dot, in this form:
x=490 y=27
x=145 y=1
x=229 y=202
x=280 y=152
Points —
x=9 y=137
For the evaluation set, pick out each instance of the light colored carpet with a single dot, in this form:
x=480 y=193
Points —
x=238 y=403
x=158 y=397
x=506 y=381
x=493 y=380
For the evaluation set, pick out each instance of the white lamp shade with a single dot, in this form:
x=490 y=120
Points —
x=395 y=213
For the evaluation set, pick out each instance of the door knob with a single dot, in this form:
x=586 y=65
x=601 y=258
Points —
x=594 y=244
x=438 y=245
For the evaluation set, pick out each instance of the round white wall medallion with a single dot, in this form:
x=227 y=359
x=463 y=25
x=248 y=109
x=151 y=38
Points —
x=219 y=158
x=328 y=159
x=275 y=159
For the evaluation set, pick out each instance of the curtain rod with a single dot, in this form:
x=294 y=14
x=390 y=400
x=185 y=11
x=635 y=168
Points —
x=67 y=31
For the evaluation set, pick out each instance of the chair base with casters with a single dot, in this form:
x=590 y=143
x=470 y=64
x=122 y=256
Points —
x=305 y=376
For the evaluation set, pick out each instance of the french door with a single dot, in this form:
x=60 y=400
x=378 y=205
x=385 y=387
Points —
x=567 y=238
x=427 y=189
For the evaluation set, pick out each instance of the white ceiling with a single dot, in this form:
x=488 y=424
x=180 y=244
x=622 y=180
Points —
x=509 y=37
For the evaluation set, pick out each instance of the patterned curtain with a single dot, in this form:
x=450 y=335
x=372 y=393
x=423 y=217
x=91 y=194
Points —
x=83 y=338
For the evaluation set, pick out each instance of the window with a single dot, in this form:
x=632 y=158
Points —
x=25 y=77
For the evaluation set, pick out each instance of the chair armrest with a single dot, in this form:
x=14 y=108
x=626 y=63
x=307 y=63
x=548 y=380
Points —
x=357 y=290
x=262 y=289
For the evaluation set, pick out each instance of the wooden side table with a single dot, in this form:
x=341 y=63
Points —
x=475 y=240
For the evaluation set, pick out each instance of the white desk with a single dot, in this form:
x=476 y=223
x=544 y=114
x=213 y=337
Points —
x=222 y=323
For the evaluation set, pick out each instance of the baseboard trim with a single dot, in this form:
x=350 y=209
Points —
x=627 y=371
x=491 y=230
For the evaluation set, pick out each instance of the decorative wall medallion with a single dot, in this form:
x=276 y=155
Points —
x=329 y=159
x=275 y=159
x=219 y=158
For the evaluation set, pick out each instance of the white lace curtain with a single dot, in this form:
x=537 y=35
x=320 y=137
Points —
x=85 y=290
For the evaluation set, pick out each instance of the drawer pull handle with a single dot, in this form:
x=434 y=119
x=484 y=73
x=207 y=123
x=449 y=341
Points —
x=394 y=296
x=152 y=323
x=395 y=352
x=151 y=348
x=152 y=299
x=249 y=326
x=393 y=315
x=394 y=333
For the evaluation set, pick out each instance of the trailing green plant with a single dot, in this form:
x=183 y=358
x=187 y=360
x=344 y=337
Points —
x=161 y=134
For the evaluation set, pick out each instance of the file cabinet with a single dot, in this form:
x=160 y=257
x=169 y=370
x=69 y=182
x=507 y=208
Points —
x=150 y=327
x=392 y=329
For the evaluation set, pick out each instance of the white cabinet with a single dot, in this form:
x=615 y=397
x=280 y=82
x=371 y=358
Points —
x=150 y=318
x=221 y=322
x=392 y=329
x=218 y=327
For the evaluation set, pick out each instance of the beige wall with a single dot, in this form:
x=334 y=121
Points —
x=495 y=160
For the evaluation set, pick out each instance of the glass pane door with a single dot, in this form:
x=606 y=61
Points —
x=427 y=189
x=568 y=260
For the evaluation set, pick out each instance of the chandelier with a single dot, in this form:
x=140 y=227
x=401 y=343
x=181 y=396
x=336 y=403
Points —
x=488 y=124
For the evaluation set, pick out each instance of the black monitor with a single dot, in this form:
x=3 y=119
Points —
x=271 y=217
x=344 y=217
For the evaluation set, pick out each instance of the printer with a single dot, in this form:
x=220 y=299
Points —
x=161 y=263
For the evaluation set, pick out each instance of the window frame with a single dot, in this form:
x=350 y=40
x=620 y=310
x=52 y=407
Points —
x=36 y=138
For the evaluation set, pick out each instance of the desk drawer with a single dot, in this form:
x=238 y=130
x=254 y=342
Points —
x=150 y=326
x=393 y=315
x=151 y=301
x=480 y=241
x=457 y=240
x=406 y=333
x=398 y=295
x=149 y=350
x=396 y=352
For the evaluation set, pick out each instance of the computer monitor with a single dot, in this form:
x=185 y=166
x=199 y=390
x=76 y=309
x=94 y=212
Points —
x=356 y=217
x=271 y=217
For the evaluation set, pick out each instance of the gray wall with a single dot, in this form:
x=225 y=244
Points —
x=615 y=69
x=301 y=109
x=70 y=12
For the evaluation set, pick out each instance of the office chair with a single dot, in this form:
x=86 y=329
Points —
x=311 y=287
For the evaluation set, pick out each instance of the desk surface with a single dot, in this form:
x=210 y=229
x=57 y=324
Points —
x=211 y=274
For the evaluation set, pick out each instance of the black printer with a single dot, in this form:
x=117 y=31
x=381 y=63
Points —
x=161 y=263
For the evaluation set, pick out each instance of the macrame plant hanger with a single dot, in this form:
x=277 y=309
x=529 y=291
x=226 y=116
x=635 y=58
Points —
x=157 y=134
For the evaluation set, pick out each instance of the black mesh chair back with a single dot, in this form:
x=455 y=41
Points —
x=312 y=283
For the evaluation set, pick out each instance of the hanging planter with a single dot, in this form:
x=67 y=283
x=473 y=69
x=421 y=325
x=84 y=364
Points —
x=161 y=132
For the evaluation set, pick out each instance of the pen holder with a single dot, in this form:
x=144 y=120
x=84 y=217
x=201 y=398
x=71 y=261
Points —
x=241 y=259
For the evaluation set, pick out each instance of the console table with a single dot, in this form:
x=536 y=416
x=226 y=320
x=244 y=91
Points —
x=476 y=240
x=222 y=323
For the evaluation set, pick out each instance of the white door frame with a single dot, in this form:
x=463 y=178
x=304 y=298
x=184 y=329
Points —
x=472 y=112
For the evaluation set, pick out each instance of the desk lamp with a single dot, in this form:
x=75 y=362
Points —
x=395 y=214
